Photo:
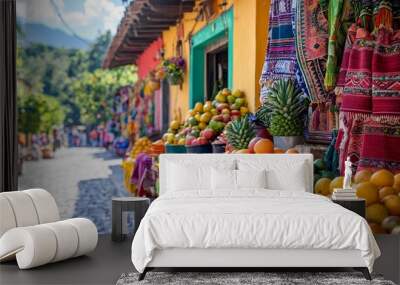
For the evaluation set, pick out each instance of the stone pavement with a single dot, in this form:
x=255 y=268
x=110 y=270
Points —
x=82 y=180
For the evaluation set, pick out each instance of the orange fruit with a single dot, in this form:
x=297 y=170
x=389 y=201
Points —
x=382 y=178
x=362 y=176
x=385 y=191
x=292 y=151
x=278 y=150
x=392 y=203
x=368 y=191
x=376 y=213
x=396 y=184
x=264 y=146
x=243 y=151
x=336 y=183
x=323 y=186
x=377 y=228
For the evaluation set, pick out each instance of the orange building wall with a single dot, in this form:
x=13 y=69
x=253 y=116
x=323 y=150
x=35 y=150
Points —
x=250 y=30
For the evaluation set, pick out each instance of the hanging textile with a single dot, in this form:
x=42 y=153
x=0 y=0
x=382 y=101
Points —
x=386 y=65
x=358 y=82
x=370 y=119
x=380 y=144
x=351 y=36
x=311 y=44
x=340 y=17
x=280 y=58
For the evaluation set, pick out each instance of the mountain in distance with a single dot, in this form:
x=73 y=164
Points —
x=38 y=33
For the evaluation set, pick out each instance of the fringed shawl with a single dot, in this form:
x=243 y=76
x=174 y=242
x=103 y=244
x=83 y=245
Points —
x=280 y=58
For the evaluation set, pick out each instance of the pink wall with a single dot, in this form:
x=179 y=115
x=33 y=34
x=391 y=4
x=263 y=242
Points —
x=148 y=60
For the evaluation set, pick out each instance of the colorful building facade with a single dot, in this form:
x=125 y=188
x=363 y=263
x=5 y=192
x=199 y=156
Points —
x=223 y=39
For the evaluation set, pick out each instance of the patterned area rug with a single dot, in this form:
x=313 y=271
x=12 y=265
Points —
x=270 y=278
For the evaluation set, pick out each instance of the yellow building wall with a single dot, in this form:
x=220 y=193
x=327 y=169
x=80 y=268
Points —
x=249 y=42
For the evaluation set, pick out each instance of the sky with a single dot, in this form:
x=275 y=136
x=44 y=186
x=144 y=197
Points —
x=87 y=18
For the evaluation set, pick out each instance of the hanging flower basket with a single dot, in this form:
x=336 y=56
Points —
x=174 y=70
x=175 y=80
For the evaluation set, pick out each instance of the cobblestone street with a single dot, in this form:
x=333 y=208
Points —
x=82 y=181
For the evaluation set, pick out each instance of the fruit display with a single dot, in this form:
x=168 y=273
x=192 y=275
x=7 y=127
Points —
x=174 y=134
x=206 y=121
x=321 y=171
x=157 y=147
x=381 y=192
x=285 y=107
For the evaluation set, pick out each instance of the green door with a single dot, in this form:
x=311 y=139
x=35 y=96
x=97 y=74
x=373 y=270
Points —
x=213 y=32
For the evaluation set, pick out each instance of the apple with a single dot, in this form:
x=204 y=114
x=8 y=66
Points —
x=237 y=93
x=220 y=98
x=235 y=117
x=239 y=102
x=207 y=133
x=222 y=106
x=226 y=118
x=235 y=113
x=231 y=99
x=202 y=141
x=217 y=118
x=252 y=143
x=234 y=107
x=189 y=140
x=263 y=133
x=226 y=92
x=195 y=133
x=225 y=111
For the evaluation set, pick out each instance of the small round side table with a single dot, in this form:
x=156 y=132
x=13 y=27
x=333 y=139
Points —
x=120 y=207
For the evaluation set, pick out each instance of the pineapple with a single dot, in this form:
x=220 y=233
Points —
x=287 y=109
x=263 y=115
x=240 y=132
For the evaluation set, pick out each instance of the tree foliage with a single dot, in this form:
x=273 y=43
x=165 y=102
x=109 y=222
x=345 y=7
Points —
x=94 y=92
x=39 y=113
x=65 y=86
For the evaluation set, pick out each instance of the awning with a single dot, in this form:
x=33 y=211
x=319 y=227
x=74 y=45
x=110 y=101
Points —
x=143 y=23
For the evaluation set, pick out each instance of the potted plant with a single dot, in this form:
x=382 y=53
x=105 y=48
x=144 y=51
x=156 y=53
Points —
x=287 y=106
x=174 y=69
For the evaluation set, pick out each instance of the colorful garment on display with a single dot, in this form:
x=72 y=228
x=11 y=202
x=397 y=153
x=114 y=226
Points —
x=386 y=74
x=340 y=17
x=351 y=36
x=358 y=81
x=280 y=58
x=143 y=176
x=380 y=144
x=311 y=44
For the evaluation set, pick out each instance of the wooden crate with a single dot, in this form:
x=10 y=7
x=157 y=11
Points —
x=389 y=263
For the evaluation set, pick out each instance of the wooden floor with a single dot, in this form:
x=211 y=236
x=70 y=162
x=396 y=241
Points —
x=102 y=266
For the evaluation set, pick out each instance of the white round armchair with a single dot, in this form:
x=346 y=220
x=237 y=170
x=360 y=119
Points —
x=31 y=230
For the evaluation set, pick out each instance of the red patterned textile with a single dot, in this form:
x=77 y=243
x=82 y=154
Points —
x=370 y=142
x=380 y=140
x=358 y=82
x=386 y=73
x=351 y=36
